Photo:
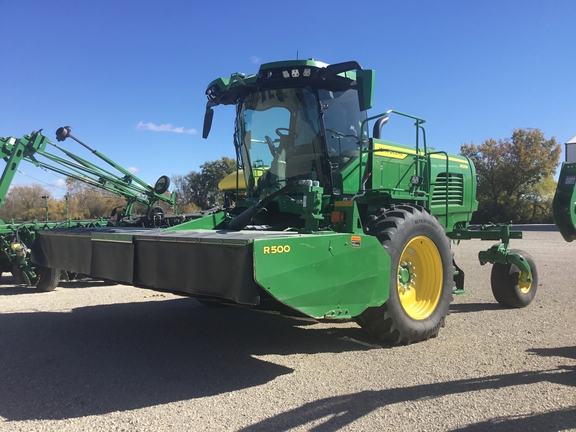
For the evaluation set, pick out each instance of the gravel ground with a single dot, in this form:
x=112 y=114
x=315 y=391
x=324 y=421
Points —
x=91 y=356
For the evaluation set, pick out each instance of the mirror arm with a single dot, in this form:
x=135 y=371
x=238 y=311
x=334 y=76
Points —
x=208 y=116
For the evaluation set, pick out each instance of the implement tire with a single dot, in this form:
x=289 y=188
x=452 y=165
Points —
x=507 y=287
x=48 y=279
x=421 y=277
x=20 y=277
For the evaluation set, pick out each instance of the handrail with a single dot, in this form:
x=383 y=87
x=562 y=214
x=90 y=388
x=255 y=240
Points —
x=418 y=125
x=447 y=178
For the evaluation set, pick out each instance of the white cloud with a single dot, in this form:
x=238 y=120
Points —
x=60 y=183
x=255 y=60
x=168 y=127
x=133 y=170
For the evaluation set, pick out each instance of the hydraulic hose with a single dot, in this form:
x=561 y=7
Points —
x=244 y=218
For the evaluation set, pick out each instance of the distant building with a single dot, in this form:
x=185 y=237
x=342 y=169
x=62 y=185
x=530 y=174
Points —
x=571 y=149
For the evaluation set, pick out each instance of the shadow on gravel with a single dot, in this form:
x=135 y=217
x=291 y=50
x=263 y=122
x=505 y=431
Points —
x=9 y=287
x=101 y=359
x=17 y=290
x=568 y=352
x=553 y=421
x=475 y=307
x=341 y=411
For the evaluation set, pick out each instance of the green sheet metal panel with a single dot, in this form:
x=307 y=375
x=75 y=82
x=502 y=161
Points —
x=332 y=276
x=564 y=204
x=452 y=193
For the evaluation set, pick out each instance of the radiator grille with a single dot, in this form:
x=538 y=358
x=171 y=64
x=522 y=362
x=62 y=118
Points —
x=451 y=190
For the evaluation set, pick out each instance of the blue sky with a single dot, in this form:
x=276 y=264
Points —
x=129 y=76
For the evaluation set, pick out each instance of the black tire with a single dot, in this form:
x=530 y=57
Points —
x=20 y=277
x=507 y=288
x=417 y=307
x=155 y=214
x=162 y=185
x=48 y=279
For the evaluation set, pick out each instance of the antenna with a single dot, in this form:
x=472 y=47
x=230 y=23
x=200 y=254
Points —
x=297 y=55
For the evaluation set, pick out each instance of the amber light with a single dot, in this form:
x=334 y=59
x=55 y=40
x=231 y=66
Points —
x=337 y=217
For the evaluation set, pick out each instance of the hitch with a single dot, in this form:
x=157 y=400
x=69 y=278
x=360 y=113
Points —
x=500 y=253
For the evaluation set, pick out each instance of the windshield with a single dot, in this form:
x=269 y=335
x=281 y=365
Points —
x=280 y=139
x=342 y=120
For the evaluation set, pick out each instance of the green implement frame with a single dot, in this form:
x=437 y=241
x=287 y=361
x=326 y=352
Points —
x=33 y=148
x=17 y=237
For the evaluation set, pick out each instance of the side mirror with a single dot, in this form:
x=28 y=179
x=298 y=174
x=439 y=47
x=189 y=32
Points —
x=365 y=80
x=207 y=122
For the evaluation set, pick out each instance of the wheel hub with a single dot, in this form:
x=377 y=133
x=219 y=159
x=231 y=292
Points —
x=404 y=276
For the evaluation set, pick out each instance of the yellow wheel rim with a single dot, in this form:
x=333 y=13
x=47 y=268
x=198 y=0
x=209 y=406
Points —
x=420 y=277
x=524 y=285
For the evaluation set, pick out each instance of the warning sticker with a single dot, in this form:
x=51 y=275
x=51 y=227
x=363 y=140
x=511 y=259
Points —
x=355 y=241
x=570 y=180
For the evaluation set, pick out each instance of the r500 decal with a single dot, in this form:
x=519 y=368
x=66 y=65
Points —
x=269 y=250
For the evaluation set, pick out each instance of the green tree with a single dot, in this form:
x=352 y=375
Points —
x=535 y=205
x=25 y=203
x=201 y=188
x=89 y=202
x=514 y=176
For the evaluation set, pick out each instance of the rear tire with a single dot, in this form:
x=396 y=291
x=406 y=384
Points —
x=421 y=277
x=507 y=287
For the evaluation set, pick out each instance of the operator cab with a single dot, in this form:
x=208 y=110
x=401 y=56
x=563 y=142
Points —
x=297 y=123
x=299 y=133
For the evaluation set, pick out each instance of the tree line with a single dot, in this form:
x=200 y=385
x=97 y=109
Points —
x=197 y=190
x=515 y=183
x=35 y=202
x=515 y=177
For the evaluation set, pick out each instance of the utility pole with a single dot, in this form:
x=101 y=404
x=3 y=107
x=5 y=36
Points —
x=46 y=205
x=66 y=198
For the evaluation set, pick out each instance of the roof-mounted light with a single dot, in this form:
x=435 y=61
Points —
x=212 y=92
x=265 y=74
x=298 y=73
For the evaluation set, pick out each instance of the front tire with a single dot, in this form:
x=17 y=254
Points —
x=421 y=277
x=507 y=287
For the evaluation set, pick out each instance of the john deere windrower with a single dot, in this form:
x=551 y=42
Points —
x=331 y=220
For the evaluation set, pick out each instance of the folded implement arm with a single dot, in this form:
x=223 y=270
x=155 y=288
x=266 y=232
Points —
x=16 y=238
x=33 y=148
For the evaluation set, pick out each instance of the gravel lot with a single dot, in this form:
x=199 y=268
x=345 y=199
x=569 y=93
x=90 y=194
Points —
x=91 y=356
